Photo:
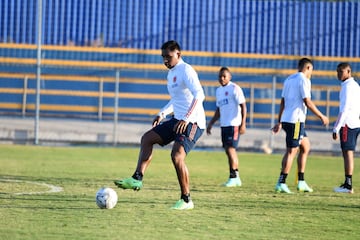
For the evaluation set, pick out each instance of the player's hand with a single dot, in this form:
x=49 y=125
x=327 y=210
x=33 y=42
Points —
x=242 y=129
x=276 y=128
x=208 y=129
x=180 y=127
x=324 y=120
x=156 y=121
x=335 y=136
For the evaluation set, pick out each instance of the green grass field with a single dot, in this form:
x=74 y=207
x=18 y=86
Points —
x=253 y=211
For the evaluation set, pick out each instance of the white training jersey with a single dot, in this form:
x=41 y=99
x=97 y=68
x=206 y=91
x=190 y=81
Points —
x=349 y=109
x=186 y=95
x=228 y=100
x=296 y=88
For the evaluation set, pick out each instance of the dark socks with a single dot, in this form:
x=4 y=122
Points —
x=185 y=197
x=234 y=173
x=348 y=180
x=282 y=178
x=138 y=176
x=300 y=176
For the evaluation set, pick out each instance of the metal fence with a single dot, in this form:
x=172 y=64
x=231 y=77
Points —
x=73 y=87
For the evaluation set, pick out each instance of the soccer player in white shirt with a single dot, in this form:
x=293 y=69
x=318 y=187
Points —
x=231 y=109
x=296 y=99
x=348 y=123
x=184 y=128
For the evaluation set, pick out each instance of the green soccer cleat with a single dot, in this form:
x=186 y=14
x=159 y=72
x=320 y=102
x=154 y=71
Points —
x=282 y=188
x=233 y=182
x=129 y=183
x=303 y=187
x=182 y=205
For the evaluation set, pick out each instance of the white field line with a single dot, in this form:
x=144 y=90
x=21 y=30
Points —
x=52 y=188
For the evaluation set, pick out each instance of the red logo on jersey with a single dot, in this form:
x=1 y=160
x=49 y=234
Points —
x=226 y=93
x=174 y=79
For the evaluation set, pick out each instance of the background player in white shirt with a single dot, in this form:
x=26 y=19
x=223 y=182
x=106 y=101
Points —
x=348 y=123
x=231 y=109
x=296 y=99
x=185 y=127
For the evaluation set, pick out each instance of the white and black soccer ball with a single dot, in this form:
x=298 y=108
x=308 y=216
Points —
x=106 y=198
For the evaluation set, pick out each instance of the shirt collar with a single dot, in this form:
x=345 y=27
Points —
x=178 y=64
x=303 y=75
x=347 y=81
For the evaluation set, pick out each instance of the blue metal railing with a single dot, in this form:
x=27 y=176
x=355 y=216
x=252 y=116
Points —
x=312 y=28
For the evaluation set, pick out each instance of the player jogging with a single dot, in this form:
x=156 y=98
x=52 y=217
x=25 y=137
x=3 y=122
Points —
x=296 y=99
x=231 y=109
x=185 y=127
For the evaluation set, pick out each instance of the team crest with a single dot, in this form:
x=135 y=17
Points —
x=174 y=84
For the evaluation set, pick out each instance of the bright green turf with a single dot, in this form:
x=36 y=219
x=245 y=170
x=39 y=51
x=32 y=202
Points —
x=253 y=211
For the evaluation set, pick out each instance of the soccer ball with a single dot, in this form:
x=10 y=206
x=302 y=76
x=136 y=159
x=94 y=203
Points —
x=106 y=198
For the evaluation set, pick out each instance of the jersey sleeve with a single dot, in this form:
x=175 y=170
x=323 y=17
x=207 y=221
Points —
x=305 y=88
x=344 y=110
x=166 y=110
x=192 y=82
x=239 y=94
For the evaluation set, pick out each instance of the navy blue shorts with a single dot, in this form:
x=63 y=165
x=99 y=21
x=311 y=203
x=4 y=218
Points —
x=294 y=133
x=230 y=136
x=186 y=139
x=348 y=138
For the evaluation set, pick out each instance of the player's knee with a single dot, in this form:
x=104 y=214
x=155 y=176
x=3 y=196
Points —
x=174 y=156
x=292 y=151
x=230 y=150
x=305 y=149
x=177 y=156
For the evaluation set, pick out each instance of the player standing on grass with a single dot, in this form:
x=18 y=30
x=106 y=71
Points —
x=185 y=127
x=348 y=123
x=231 y=109
x=296 y=98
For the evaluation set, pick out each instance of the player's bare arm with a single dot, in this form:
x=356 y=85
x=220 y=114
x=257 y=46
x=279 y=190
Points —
x=278 y=126
x=310 y=105
x=212 y=121
x=243 y=121
x=242 y=128
x=335 y=136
